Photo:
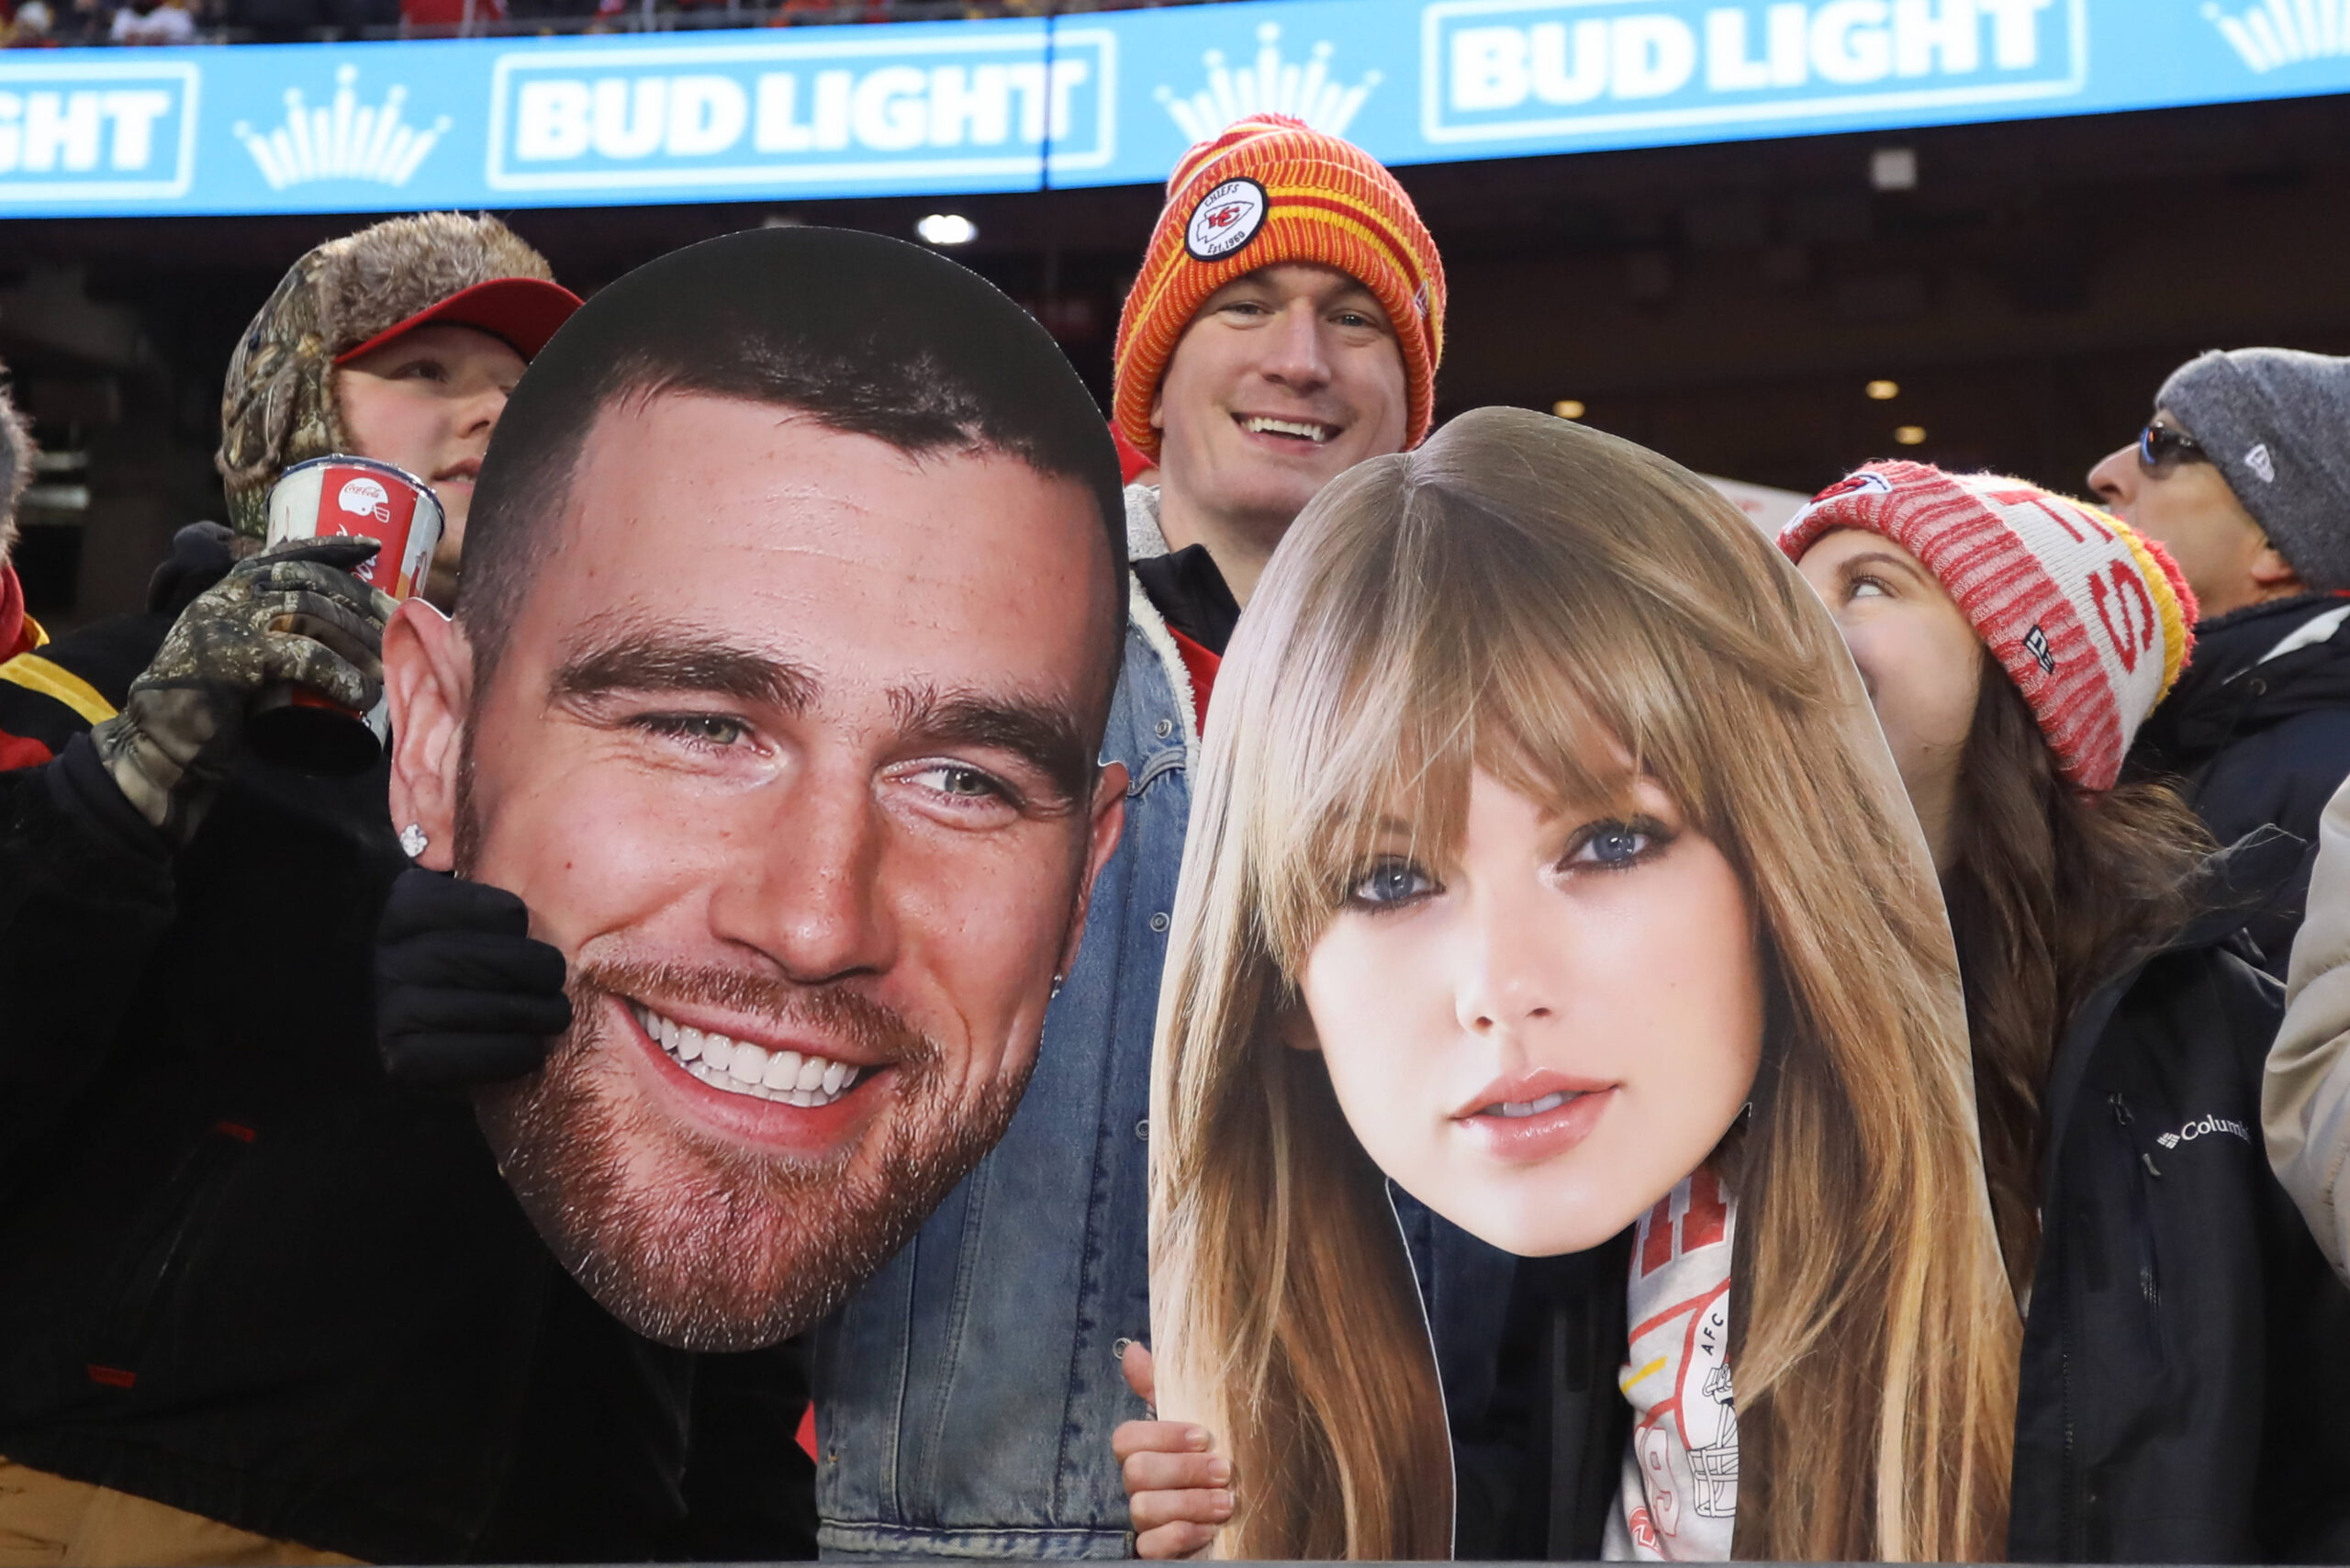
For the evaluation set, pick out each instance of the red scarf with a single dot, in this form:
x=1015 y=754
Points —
x=18 y=634
x=1201 y=664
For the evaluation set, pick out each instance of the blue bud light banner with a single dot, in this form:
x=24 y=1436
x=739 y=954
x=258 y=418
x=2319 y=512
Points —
x=1094 y=99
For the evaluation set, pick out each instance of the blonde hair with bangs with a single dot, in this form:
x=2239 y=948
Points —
x=1499 y=598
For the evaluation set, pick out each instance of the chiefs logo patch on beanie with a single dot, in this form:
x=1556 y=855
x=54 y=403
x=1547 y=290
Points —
x=1268 y=190
x=1227 y=219
x=2090 y=619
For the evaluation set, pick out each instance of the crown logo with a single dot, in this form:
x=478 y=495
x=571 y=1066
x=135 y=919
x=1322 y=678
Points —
x=345 y=140
x=1271 y=85
x=2284 y=32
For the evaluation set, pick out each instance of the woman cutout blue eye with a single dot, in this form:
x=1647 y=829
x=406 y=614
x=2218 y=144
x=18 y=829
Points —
x=1389 y=882
x=1616 y=845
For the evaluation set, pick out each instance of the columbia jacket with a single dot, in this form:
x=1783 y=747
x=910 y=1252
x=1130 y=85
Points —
x=2186 y=1381
x=2258 y=727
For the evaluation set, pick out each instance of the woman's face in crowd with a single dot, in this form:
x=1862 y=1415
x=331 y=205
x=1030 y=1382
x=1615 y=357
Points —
x=1919 y=658
x=1539 y=1034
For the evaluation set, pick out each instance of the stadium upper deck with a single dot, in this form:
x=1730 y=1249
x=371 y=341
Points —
x=41 y=23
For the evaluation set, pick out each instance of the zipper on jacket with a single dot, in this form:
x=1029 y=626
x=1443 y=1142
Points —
x=160 y=1250
x=2143 y=1172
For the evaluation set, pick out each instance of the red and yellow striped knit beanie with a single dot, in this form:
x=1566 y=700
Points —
x=2090 y=618
x=1269 y=190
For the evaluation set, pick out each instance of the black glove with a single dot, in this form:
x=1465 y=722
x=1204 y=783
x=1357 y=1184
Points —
x=294 y=614
x=462 y=994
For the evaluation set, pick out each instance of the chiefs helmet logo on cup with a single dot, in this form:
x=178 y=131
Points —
x=366 y=498
x=1225 y=220
x=359 y=497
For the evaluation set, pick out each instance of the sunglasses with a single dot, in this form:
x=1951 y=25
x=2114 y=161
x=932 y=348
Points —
x=2162 y=449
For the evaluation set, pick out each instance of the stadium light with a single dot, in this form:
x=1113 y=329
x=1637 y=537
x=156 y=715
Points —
x=947 y=228
x=1893 y=169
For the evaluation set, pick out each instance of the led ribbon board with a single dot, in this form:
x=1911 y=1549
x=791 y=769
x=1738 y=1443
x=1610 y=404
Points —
x=1096 y=99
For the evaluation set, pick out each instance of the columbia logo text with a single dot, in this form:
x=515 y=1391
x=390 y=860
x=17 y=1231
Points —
x=2202 y=1127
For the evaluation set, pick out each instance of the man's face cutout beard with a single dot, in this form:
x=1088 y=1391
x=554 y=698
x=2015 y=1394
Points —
x=688 y=1240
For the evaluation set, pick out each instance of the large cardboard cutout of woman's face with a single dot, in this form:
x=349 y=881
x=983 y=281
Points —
x=1548 y=862
x=1543 y=1034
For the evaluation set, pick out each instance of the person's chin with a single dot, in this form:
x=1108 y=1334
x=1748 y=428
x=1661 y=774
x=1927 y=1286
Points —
x=1272 y=490
x=1541 y=1219
x=714 y=1219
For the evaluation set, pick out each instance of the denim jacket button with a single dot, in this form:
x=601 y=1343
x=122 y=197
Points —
x=1158 y=921
x=1164 y=728
x=1142 y=1129
x=1118 y=1349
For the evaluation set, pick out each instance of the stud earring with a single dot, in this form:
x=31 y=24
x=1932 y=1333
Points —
x=412 y=841
x=1057 y=985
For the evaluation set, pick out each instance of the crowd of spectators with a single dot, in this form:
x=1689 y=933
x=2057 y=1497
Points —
x=47 y=24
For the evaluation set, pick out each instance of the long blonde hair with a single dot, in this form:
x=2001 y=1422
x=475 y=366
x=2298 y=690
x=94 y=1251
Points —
x=1491 y=601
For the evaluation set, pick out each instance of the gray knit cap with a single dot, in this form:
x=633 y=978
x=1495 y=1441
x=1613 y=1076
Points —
x=2278 y=424
x=16 y=466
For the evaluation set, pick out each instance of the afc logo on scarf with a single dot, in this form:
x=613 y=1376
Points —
x=1225 y=220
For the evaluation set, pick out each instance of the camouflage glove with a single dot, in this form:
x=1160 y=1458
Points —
x=294 y=614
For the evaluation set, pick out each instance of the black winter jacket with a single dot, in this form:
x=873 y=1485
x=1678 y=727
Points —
x=2261 y=738
x=1537 y=1471
x=2185 y=1393
x=243 y=1275
x=2186 y=1387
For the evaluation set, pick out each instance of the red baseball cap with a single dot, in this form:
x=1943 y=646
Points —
x=524 y=311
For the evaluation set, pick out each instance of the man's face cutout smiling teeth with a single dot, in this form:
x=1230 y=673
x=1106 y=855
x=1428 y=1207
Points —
x=738 y=1067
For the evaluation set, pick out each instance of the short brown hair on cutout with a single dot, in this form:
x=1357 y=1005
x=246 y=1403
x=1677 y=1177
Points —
x=866 y=335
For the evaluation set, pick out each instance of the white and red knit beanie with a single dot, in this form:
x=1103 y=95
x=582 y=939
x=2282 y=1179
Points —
x=2090 y=619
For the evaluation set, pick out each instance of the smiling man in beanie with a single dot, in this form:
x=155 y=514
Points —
x=1286 y=325
x=2244 y=474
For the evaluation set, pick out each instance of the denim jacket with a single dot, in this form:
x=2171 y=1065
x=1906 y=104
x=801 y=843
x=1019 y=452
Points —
x=965 y=1396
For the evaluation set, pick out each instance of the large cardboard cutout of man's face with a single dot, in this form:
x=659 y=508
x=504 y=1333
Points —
x=790 y=748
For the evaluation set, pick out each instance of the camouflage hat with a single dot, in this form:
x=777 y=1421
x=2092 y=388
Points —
x=278 y=407
x=16 y=466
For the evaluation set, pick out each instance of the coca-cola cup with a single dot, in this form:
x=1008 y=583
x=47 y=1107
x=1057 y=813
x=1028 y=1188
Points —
x=357 y=497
